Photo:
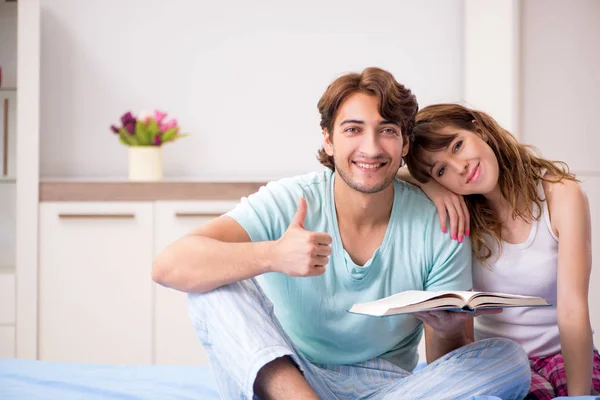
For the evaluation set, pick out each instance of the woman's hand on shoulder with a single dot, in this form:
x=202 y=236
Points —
x=449 y=205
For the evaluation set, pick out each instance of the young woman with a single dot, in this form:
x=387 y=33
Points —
x=529 y=225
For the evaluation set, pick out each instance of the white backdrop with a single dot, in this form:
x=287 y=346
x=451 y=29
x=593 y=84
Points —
x=243 y=78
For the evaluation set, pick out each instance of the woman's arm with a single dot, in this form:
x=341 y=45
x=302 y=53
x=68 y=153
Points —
x=404 y=175
x=449 y=205
x=570 y=213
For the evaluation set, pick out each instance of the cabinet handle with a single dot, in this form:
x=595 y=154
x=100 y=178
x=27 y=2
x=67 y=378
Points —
x=196 y=215
x=5 y=140
x=96 y=216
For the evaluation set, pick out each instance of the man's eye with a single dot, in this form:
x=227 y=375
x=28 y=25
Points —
x=390 y=131
x=457 y=146
x=351 y=130
x=440 y=171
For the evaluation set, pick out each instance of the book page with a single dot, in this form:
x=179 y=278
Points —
x=466 y=295
x=409 y=301
x=418 y=296
x=456 y=300
x=486 y=300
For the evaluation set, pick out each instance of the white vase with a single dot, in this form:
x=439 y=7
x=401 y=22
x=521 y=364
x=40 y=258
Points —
x=145 y=163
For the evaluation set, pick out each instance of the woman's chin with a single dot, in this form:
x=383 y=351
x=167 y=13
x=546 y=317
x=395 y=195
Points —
x=482 y=189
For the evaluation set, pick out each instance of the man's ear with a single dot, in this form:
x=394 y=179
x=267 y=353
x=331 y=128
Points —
x=327 y=143
x=405 y=148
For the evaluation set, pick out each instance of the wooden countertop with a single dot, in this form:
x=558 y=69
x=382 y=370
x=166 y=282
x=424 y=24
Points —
x=144 y=191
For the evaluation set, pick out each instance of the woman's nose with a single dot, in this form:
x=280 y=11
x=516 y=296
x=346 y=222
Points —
x=460 y=166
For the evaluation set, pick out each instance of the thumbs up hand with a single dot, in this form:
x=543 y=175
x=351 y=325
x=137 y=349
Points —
x=300 y=252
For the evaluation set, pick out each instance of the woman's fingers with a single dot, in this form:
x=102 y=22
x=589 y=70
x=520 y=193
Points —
x=461 y=219
x=463 y=205
x=441 y=207
x=453 y=220
x=455 y=209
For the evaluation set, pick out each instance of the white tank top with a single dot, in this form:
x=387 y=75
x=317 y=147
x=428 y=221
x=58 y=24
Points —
x=528 y=268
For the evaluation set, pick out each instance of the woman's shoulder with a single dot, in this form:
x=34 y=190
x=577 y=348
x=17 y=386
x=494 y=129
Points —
x=555 y=189
x=563 y=197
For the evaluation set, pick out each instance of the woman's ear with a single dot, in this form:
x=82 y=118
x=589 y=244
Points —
x=479 y=130
x=327 y=143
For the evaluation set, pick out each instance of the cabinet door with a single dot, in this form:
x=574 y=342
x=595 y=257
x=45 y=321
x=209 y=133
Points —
x=175 y=340
x=7 y=341
x=95 y=286
x=8 y=224
x=8 y=133
x=7 y=297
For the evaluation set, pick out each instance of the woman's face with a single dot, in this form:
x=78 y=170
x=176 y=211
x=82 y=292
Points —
x=467 y=166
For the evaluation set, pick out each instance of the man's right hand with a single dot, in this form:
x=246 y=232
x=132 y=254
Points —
x=300 y=252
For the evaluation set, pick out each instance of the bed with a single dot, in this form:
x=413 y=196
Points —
x=37 y=380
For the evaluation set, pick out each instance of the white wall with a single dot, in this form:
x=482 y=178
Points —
x=561 y=99
x=8 y=43
x=561 y=80
x=243 y=77
x=491 y=57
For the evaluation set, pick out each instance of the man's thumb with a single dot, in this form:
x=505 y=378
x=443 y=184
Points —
x=301 y=213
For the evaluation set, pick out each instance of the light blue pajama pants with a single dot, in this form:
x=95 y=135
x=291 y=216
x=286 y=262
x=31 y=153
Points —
x=240 y=334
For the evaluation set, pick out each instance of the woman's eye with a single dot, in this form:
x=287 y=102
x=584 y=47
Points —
x=457 y=146
x=440 y=171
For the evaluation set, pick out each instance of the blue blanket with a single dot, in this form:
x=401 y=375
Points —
x=37 y=380
x=33 y=380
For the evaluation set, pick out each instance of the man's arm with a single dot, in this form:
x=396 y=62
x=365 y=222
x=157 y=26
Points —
x=449 y=268
x=439 y=341
x=220 y=252
x=439 y=344
x=213 y=255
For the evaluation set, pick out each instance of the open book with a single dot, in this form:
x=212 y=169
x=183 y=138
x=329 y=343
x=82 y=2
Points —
x=412 y=301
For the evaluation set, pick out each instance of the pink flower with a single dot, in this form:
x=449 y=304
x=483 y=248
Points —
x=168 y=125
x=157 y=140
x=144 y=116
x=159 y=116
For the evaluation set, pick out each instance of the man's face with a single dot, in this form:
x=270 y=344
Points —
x=367 y=150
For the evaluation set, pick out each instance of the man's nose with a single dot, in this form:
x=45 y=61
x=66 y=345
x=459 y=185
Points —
x=370 y=144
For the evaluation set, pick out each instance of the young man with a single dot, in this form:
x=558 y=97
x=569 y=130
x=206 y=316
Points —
x=272 y=280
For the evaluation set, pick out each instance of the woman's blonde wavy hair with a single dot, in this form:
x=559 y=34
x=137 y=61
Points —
x=520 y=167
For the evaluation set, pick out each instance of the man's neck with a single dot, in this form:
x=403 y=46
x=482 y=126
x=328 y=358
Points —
x=362 y=210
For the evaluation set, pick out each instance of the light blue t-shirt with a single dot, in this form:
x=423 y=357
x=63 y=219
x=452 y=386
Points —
x=414 y=254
